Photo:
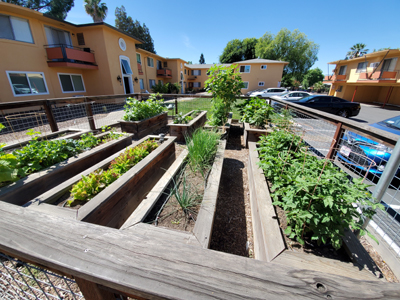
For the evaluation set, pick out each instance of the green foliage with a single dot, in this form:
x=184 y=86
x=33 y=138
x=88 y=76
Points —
x=319 y=86
x=316 y=196
x=126 y=24
x=181 y=119
x=92 y=184
x=255 y=111
x=139 y=110
x=9 y=171
x=202 y=147
x=202 y=60
x=185 y=196
x=88 y=141
x=225 y=85
x=238 y=50
x=293 y=47
x=313 y=76
x=54 y=8
x=219 y=113
x=112 y=135
x=168 y=88
x=357 y=50
x=96 y=10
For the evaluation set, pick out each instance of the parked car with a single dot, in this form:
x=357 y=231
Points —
x=291 y=96
x=255 y=91
x=330 y=104
x=359 y=151
x=20 y=88
x=269 y=92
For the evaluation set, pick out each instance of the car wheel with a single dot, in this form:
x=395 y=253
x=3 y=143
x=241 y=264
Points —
x=343 y=113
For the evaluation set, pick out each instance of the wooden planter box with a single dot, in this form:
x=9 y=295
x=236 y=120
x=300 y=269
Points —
x=181 y=130
x=269 y=243
x=223 y=129
x=114 y=204
x=144 y=127
x=253 y=135
x=38 y=183
x=62 y=134
x=204 y=223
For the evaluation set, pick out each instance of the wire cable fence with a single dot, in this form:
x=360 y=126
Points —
x=20 y=280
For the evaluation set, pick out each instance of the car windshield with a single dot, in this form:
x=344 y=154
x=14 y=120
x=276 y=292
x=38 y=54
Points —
x=305 y=99
x=393 y=123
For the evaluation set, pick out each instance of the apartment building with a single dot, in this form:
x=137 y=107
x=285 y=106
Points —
x=256 y=73
x=372 y=78
x=43 y=58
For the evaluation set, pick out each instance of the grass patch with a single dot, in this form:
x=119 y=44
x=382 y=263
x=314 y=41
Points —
x=184 y=106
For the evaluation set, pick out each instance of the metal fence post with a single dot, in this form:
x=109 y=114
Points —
x=50 y=116
x=176 y=106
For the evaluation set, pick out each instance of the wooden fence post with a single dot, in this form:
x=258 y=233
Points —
x=338 y=135
x=89 y=113
x=176 y=106
x=91 y=291
x=50 y=116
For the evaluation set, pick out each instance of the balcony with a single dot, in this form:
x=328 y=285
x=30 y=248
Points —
x=166 y=73
x=139 y=66
x=334 y=78
x=192 y=77
x=379 y=76
x=70 y=57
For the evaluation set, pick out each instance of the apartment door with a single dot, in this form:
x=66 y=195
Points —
x=126 y=75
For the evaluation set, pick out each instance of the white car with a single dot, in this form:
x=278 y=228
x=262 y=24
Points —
x=291 y=96
x=269 y=92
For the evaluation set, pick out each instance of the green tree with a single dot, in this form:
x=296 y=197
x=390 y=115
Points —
x=293 y=47
x=202 y=60
x=238 y=50
x=96 y=10
x=189 y=62
x=357 y=50
x=54 y=8
x=126 y=24
x=312 y=76
x=319 y=86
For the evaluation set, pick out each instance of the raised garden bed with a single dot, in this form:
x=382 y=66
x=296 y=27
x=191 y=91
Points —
x=38 y=183
x=62 y=134
x=224 y=130
x=253 y=134
x=269 y=242
x=113 y=205
x=144 y=127
x=182 y=130
x=202 y=229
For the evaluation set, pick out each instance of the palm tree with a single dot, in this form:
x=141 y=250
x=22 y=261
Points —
x=357 y=50
x=96 y=10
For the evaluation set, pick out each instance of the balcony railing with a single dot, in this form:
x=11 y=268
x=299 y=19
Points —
x=332 y=78
x=164 y=72
x=139 y=66
x=378 y=76
x=61 y=55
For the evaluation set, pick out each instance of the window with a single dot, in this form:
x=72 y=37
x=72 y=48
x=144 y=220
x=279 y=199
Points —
x=141 y=83
x=181 y=66
x=244 y=69
x=339 y=89
x=138 y=58
x=261 y=83
x=71 y=83
x=160 y=82
x=263 y=67
x=165 y=64
x=27 y=83
x=185 y=71
x=342 y=70
x=389 y=64
x=181 y=75
x=13 y=28
x=57 y=36
x=159 y=65
x=361 y=67
x=150 y=62
x=374 y=65
x=152 y=83
x=196 y=84
x=196 y=72
x=126 y=68
x=81 y=39
x=245 y=85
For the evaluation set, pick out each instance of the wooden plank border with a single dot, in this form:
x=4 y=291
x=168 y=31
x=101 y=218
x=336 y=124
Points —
x=144 y=127
x=26 y=189
x=253 y=135
x=181 y=130
x=268 y=240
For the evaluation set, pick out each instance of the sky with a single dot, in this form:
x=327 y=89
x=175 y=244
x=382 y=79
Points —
x=185 y=29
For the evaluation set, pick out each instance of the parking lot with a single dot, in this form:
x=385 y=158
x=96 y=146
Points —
x=371 y=113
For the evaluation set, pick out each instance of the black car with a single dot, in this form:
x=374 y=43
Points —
x=331 y=104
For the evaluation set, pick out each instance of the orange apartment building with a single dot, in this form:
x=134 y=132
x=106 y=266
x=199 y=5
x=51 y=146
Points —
x=372 y=78
x=44 y=58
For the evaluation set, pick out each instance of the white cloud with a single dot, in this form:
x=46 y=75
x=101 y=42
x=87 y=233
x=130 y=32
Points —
x=186 y=42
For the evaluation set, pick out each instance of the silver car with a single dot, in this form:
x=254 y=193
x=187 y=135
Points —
x=269 y=92
x=291 y=96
